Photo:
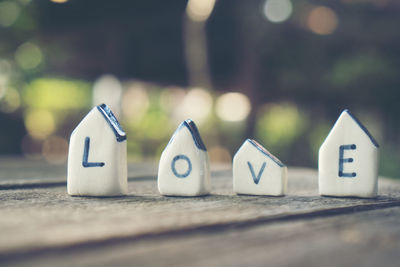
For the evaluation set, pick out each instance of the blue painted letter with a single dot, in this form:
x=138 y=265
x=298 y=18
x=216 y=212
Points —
x=343 y=160
x=85 y=162
x=258 y=177
x=185 y=174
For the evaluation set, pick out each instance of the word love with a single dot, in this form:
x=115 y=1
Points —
x=348 y=161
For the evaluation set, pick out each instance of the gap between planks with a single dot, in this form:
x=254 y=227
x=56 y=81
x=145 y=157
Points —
x=26 y=184
x=18 y=255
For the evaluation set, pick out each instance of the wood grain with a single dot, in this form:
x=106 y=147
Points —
x=42 y=225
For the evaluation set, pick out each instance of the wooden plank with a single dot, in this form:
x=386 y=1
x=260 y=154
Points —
x=43 y=220
x=359 y=239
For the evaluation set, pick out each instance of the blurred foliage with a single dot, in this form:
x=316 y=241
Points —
x=298 y=74
x=57 y=94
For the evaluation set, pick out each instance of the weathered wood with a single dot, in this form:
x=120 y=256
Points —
x=45 y=225
x=358 y=239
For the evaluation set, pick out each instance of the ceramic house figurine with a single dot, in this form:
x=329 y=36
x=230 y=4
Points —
x=348 y=160
x=97 y=156
x=184 y=166
x=258 y=172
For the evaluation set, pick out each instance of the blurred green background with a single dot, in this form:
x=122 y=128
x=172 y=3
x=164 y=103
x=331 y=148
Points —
x=278 y=71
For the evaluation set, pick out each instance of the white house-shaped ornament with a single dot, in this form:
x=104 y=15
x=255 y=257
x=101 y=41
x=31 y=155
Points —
x=184 y=165
x=97 y=156
x=257 y=172
x=348 y=160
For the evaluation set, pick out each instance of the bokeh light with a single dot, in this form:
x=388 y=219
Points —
x=171 y=97
x=59 y=1
x=277 y=10
x=55 y=149
x=196 y=105
x=199 y=10
x=219 y=154
x=10 y=101
x=135 y=102
x=322 y=20
x=52 y=73
x=9 y=12
x=39 y=123
x=57 y=94
x=5 y=72
x=279 y=124
x=108 y=89
x=28 y=56
x=233 y=106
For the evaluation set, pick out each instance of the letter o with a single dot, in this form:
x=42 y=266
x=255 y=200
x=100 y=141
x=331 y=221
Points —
x=181 y=157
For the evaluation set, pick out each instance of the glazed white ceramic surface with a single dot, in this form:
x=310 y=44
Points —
x=258 y=172
x=97 y=163
x=348 y=160
x=184 y=164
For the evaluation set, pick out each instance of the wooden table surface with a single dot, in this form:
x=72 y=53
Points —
x=40 y=225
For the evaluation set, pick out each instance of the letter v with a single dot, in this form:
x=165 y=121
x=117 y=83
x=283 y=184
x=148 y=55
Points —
x=256 y=179
x=85 y=162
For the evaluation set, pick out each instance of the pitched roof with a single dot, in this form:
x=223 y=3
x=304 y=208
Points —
x=191 y=126
x=265 y=152
x=112 y=122
x=362 y=128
